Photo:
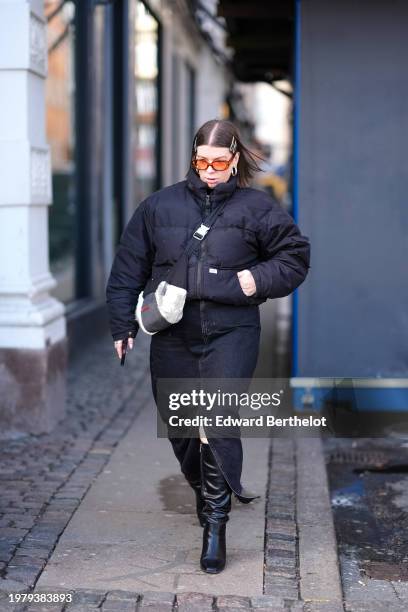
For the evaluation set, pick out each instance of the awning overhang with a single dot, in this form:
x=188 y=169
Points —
x=261 y=34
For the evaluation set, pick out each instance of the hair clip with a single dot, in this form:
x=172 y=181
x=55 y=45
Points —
x=233 y=145
x=195 y=145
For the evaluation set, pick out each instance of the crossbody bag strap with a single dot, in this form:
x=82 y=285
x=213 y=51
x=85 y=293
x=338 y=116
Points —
x=202 y=231
x=178 y=273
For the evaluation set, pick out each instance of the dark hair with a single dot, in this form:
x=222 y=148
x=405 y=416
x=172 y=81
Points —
x=219 y=133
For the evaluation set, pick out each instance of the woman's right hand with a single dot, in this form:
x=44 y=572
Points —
x=247 y=282
x=118 y=346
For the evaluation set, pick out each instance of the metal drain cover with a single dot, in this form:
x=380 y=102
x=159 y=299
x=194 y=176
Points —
x=383 y=570
x=360 y=457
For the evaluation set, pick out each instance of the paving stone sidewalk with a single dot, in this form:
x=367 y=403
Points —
x=43 y=480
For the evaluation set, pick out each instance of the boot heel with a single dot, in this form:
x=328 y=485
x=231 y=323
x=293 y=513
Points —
x=213 y=556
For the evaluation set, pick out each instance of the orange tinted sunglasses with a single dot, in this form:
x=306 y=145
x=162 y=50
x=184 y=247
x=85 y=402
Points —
x=217 y=164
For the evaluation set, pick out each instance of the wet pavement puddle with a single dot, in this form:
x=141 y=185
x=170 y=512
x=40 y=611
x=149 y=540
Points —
x=368 y=482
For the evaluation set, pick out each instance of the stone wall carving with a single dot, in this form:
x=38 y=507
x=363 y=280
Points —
x=38 y=45
x=40 y=175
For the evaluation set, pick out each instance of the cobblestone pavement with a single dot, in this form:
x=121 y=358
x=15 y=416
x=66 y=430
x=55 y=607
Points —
x=44 y=478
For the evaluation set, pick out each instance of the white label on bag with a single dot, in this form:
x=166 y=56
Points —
x=213 y=271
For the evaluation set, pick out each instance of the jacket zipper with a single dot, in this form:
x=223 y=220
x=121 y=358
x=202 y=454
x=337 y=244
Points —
x=207 y=207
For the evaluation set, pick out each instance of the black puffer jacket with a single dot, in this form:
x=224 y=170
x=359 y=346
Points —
x=252 y=232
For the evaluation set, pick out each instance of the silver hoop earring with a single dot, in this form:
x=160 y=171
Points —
x=234 y=171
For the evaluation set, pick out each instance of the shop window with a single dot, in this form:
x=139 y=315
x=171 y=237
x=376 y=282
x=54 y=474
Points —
x=182 y=115
x=146 y=120
x=191 y=105
x=60 y=96
x=175 y=118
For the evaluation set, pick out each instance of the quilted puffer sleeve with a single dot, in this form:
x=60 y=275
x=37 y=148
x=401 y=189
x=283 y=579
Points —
x=285 y=254
x=131 y=269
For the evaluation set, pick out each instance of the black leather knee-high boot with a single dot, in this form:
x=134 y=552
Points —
x=217 y=497
x=196 y=486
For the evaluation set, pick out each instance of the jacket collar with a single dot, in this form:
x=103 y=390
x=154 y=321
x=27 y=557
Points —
x=218 y=194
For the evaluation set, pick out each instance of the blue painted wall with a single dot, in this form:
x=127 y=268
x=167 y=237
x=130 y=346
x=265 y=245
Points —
x=353 y=189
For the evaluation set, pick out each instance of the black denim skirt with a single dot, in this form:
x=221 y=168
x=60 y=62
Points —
x=212 y=340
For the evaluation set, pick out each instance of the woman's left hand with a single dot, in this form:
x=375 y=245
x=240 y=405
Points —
x=247 y=282
x=118 y=346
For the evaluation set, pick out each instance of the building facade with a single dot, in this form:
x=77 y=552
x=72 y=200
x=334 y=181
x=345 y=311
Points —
x=103 y=100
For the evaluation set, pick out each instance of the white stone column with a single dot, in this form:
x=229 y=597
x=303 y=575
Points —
x=32 y=324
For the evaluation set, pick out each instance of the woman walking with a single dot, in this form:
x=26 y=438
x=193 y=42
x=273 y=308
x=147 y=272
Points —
x=254 y=251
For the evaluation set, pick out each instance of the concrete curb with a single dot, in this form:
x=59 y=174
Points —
x=320 y=582
x=281 y=571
